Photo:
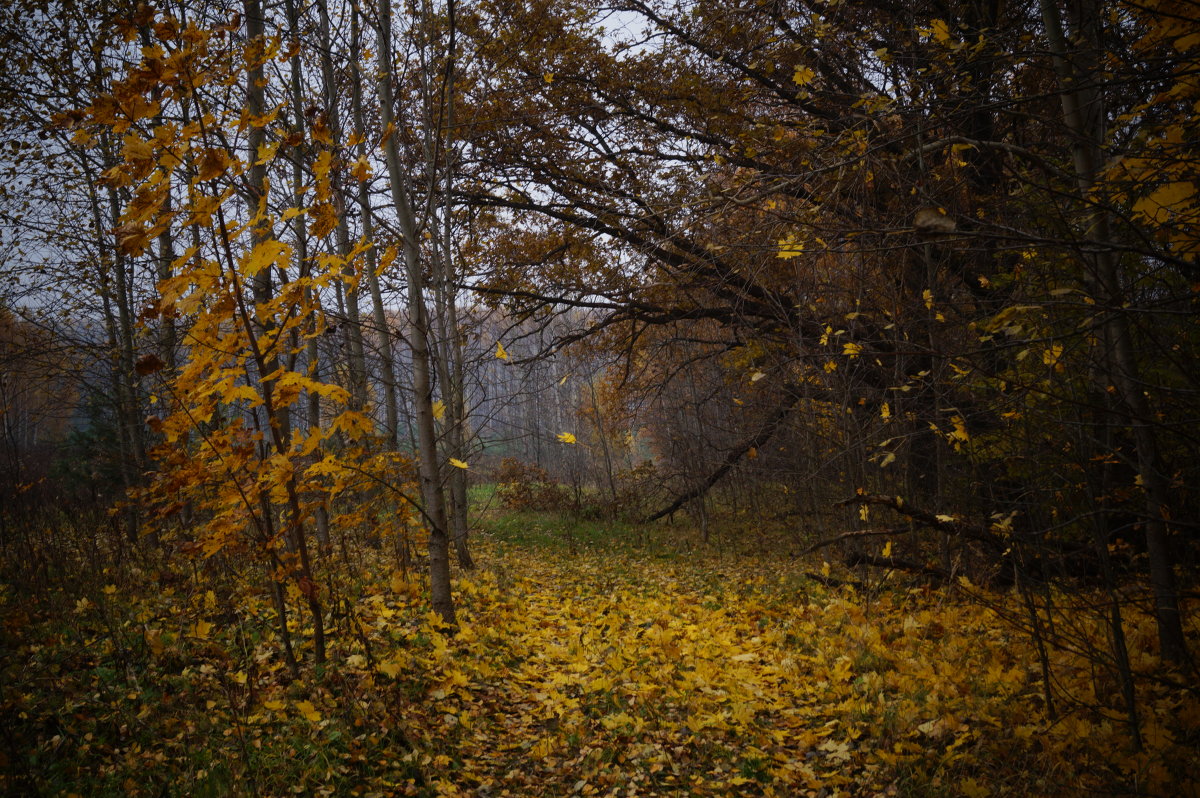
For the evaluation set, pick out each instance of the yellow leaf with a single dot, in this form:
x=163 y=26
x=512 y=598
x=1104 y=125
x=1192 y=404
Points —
x=940 y=31
x=311 y=442
x=500 y=353
x=970 y=788
x=274 y=706
x=885 y=412
x=330 y=391
x=756 y=376
x=324 y=219
x=202 y=629
x=1171 y=197
x=617 y=720
x=353 y=423
x=212 y=164
x=454 y=461
x=309 y=712
x=928 y=296
x=548 y=77
x=264 y=255
x=789 y=247
x=239 y=677
x=566 y=437
x=391 y=668
x=321 y=167
x=803 y=75
x=266 y=152
x=864 y=512
x=439 y=410
x=242 y=393
x=887 y=549
x=1050 y=356
x=852 y=349
x=402 y=586
x=361 y=169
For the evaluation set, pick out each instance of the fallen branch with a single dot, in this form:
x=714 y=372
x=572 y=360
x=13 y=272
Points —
x=896 y=564
x=852 y=535
x=941 y=523
x=832 y=581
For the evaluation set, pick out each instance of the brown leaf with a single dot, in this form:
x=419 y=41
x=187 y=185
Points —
x=148 y=364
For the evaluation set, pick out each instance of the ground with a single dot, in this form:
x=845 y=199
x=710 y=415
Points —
x=580 y=666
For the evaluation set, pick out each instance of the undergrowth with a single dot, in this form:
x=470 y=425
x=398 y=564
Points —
x=585 y=664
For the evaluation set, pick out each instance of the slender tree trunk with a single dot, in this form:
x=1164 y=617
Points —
x=313 y=400
x=418 y=327
x=277 y=416
x=450 y=361
x=122 y=292
x=1084 y=117
x=353 y=326
x=602 y=436
x=106 y=267
x=387 y=368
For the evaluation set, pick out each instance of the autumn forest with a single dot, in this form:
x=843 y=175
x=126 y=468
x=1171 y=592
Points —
x=562 y=397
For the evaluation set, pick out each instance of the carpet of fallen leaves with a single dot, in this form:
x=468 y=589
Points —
x=592 y=673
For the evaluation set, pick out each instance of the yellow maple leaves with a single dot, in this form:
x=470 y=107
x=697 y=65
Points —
x=788 y=247
x=264 y=255
x=1167 y=201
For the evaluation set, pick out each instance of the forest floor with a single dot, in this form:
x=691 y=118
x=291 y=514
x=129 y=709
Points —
x=582 y=665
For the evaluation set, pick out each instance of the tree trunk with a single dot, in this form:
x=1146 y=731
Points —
x=313 y=403
x=383 y=333
x=1084 y=117
x=353 y=327
x=277 y=416
x=418 y=333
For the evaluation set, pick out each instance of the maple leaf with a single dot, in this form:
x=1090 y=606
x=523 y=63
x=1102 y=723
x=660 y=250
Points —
x=789 y=247
x=309 y=711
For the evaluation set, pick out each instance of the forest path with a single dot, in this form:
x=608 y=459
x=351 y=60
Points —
x=629 y=673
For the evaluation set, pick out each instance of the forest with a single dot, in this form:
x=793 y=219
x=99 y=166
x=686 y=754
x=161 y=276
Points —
x=599 y=397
